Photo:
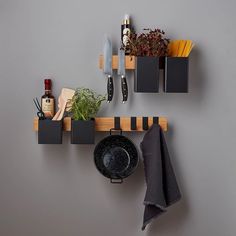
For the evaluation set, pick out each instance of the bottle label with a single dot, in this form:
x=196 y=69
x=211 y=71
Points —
x=48 y=107
x=126 y=34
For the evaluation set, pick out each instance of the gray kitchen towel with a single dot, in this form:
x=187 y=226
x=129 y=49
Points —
x=162 y=188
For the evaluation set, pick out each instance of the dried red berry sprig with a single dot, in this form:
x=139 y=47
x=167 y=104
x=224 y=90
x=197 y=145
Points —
x=149 y=43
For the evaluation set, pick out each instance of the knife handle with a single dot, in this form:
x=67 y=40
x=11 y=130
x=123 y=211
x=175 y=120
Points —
x=124 y=88
x=110 y=89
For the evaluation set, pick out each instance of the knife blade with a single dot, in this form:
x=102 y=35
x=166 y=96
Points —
x=121 y=72
x=107 y=54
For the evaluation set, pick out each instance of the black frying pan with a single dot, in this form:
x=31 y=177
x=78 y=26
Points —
x=116 y=157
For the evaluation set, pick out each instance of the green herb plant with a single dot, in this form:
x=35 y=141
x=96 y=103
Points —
x=85 y=104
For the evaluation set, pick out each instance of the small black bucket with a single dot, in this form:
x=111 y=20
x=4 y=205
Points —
x=176 y=75
x=83 y=132
x=50 y=131
x=146 y=75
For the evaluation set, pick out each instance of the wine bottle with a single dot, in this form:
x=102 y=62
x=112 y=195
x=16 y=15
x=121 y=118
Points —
x=48 y=100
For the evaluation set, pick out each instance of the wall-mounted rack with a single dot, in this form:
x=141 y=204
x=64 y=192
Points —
x=176 y=70
x=107 y=123
x=129 y=62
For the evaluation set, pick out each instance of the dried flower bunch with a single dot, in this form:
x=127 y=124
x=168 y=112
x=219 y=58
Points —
x=149 y=43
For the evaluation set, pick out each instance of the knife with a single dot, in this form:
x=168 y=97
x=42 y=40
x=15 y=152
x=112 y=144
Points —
x=121 y=72
x=107 y=53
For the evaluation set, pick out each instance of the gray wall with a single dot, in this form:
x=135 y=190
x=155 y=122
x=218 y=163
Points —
x=56 y=190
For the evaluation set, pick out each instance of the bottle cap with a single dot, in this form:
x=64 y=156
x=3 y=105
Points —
x=126 y=20
x=47 y=84
x=48 y=81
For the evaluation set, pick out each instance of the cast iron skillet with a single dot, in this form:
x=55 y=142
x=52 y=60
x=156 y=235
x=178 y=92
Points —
x=116 y=157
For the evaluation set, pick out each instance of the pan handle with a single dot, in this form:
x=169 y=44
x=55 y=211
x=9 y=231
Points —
x=116 y=181
x=113 y=129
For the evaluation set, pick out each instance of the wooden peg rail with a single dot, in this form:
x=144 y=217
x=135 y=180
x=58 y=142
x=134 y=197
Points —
x=106 y=123
x=129 y=62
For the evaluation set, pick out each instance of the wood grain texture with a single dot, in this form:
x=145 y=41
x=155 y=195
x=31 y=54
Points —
x=106 y=123
x=129 y=62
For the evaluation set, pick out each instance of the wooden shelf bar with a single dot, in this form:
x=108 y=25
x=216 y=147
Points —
x=106 y=123
x=129 y=62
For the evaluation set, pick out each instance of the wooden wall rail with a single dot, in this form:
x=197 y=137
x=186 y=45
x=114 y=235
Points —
x=106 y=123
x=129 y=62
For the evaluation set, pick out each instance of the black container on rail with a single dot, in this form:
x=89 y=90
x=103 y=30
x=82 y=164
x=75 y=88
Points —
x=176 y=75
x=50 y=131
x=147 y=74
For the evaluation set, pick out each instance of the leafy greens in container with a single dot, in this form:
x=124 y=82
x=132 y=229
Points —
x=85 y=104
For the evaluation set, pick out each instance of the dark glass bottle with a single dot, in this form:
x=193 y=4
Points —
x=125 y=33
x=48 y=100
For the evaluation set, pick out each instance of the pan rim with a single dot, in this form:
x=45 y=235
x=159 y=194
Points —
x=134 y=156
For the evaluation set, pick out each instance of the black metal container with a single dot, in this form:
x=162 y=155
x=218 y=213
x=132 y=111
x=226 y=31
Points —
x=83 y=132
x=50 y=131
x=176 y=75
x=146 y=75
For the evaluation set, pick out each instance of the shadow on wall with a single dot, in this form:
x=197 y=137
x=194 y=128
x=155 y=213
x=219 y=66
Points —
x=169 y=222
x=56 y=156
x=133 y=188
x=131 y=193
x=197 y=82
x=197 y=77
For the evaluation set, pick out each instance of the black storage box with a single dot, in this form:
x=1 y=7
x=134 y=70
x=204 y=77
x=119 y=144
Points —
x=83 y=132
x=176 y=75
x=146 y=75
x=50 y=131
